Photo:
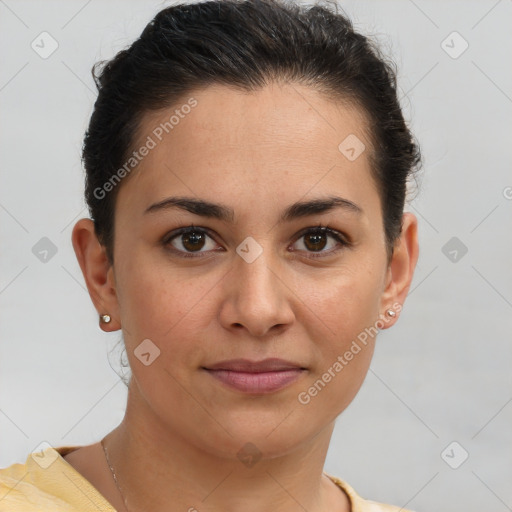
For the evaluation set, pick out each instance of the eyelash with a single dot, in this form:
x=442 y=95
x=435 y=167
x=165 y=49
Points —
x=319 y=228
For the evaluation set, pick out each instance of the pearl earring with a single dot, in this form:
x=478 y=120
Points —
x=105 y=318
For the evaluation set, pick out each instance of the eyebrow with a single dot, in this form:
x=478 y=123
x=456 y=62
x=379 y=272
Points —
x=224 y=213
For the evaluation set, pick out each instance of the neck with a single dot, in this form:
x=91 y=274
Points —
x=156 y=466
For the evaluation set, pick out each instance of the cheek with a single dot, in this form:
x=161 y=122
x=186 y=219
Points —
x=172 y=311
x=166 y=305
x=343 y=328
x=342 y=357
x=344 y=303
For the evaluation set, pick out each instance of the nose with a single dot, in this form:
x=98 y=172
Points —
x=257 y=296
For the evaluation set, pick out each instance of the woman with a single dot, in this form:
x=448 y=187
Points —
x=247 y=165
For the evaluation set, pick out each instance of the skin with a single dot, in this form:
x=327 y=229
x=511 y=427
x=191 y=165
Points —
x=256 y=153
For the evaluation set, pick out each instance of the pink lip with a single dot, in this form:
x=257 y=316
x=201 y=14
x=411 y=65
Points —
x=256 y=376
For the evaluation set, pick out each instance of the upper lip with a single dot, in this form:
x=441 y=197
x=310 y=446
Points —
x=245 y=365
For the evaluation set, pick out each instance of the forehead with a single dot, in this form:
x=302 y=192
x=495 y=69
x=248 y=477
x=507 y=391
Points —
x=274 y=144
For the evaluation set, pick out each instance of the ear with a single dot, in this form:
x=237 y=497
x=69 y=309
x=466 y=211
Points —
x=97 y=271
x=401 y=268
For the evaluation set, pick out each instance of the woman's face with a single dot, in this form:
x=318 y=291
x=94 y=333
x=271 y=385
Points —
x=254 y=285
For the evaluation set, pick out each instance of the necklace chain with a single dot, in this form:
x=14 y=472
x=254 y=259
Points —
x=113 y=473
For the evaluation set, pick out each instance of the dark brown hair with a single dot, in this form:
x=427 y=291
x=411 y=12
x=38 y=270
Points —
x=245 y=44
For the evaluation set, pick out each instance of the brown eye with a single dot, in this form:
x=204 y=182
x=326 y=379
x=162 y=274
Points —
x=315 y=240
x=193 y=240
x=189 y=240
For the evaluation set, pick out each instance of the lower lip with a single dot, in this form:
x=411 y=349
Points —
x=264 y=382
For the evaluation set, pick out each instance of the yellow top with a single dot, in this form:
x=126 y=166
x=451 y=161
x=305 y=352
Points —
x=48 y=483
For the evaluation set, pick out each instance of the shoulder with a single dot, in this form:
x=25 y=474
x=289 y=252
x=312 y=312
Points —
x=19 y=492
x=360 y=504
x=47 y=483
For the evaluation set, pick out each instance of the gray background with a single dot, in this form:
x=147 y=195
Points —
x=442 y=374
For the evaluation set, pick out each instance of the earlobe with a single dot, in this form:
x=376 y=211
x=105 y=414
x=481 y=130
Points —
x=401 y=267
x=97 y=272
